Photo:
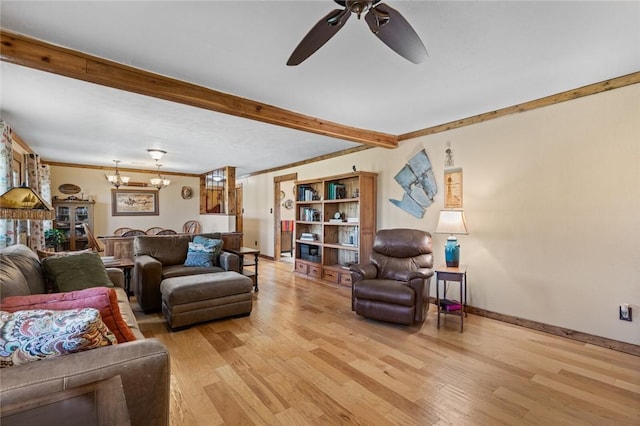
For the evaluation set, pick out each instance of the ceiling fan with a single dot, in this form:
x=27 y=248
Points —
x=383 y=20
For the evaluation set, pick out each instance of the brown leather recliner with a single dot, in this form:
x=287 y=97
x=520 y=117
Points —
x=394 y=286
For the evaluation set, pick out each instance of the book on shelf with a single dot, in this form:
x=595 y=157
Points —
x=335 y=221
x=336 y=191
x=450 y=305
x=305 y=193
x=309 y=215
x=353 y=220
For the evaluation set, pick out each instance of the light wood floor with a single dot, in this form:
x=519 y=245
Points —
x=303 y=357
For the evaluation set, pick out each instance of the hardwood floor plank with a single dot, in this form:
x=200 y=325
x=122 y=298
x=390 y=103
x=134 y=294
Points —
x=264 y=391
x=251 y=403
x=302 y=357
x=231 y=412
x=594 y=400
x=410 y=408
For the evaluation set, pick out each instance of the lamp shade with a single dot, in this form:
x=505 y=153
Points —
x=451 y=222
x=23 y=203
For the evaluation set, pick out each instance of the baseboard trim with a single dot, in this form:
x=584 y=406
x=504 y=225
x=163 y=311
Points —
x=604 y=342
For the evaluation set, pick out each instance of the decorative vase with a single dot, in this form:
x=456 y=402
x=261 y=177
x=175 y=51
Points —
x=452 y=252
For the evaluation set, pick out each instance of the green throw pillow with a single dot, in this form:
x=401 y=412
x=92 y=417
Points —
x=70 y=273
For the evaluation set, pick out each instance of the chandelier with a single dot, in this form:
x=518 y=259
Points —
x=116 y=179
x=159 y=182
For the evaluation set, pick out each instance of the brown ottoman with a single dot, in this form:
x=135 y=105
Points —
x=198 y=298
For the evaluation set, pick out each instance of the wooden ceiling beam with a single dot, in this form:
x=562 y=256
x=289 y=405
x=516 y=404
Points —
x=29 y=52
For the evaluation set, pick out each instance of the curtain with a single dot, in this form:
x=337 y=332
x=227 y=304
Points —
x=45 y=191
x=6 y=181
x=36 y=227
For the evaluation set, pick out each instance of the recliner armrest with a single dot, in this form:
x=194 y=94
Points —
x=423 y=273
x=363 y=271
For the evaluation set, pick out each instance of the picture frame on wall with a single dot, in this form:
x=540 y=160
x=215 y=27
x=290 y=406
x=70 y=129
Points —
x=453 y=189
x=134 y=202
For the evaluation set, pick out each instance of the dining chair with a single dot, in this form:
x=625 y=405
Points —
x=118 y=232
x=153 y=230
x=134 y=233
x=91 y=239
x=191 y=227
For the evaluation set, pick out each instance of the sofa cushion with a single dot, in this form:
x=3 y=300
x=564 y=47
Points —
x=199 y=255
x=203 y=252
x=33 y=335
x=215 y=243
x=181 y=270
x=168 y=249
x=103 y=299
x=69 y=273
x=387 y=291
x=20 y=272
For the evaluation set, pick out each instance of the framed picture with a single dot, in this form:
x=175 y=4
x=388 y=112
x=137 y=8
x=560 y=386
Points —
x=134 y=202
x=453 y=189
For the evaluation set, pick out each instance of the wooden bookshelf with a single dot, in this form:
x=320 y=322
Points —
x=335 y=224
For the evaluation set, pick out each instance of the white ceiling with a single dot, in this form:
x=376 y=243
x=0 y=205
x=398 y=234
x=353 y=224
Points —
x=483 y=56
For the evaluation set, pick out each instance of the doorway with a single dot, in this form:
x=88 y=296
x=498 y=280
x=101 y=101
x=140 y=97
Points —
x=284 y=217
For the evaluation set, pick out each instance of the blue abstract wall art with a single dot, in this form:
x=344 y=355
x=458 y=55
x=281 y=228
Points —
x=419 y=184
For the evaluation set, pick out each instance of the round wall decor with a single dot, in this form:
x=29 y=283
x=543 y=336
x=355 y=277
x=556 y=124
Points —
x=69 y=188
x=186 y=192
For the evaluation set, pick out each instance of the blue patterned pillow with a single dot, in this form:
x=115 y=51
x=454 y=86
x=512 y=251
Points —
x=203 y=252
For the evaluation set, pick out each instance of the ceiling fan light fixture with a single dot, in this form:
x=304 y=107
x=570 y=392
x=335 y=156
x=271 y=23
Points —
x=385 y=22
x=156 y=154
x=358 y=6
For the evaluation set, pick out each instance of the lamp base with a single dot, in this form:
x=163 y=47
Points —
x=452 y=252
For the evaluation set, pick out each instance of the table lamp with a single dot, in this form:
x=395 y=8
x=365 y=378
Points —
x=23 y=203
x=452 y=222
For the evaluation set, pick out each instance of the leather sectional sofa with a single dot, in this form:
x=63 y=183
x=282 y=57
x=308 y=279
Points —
x=142 y=364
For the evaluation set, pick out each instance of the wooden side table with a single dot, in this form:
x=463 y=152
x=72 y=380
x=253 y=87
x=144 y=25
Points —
x=444 y=305
x=241 y=252
x=126 y=265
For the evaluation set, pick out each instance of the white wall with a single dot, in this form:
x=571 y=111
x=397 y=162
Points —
x=174 y=210
x=552 y=201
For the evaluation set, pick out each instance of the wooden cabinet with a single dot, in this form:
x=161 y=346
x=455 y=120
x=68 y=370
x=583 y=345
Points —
x=335 y=224
x=70 y=216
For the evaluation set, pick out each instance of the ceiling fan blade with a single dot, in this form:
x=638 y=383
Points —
x=317 y=36
x=394 y=31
